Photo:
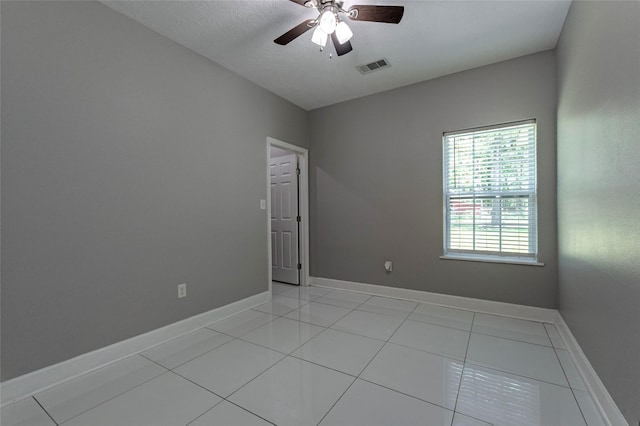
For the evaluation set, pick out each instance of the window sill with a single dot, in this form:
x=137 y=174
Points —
x=492 y=260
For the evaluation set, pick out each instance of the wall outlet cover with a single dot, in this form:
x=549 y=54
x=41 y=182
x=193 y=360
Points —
x=182 y=290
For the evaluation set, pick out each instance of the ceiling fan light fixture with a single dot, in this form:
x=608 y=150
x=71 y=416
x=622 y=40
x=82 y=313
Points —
x=343 y=32
x=319 y=37
x=328 y=21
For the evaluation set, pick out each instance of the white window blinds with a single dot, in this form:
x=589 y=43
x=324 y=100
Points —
x=490 y=191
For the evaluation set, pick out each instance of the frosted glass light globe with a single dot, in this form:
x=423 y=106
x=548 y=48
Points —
x=319 y=37
x=328 y=22
x=343 y=33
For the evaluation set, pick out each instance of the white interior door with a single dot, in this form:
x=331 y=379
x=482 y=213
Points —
x=284 y=219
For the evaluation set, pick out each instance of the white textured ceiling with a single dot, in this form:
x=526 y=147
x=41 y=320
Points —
x=435 y=38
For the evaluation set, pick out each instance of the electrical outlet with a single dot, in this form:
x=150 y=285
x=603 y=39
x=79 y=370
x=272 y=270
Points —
x=182 y=290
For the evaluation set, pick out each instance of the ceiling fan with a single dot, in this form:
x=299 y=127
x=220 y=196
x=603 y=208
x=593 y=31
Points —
x=330 y=22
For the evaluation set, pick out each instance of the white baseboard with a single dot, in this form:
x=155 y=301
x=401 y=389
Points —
x=39 y=380
x=601 y=397
x=531 y=313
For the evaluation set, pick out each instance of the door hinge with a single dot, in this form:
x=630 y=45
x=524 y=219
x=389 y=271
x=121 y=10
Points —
x=298 y=219
x=298 y=172
x=299 y=265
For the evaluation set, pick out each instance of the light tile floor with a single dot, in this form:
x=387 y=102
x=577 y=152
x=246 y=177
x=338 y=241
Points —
x=315 y=356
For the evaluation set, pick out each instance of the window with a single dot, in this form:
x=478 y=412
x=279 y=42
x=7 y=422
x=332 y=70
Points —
x=490 y=193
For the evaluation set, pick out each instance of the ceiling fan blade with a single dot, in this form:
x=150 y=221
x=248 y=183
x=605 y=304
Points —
x=388 y=14
x=341 y=49
x=300 y=2
x=295 y=32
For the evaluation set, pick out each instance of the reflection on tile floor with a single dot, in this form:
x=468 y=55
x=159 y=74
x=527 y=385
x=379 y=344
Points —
x=316 y=356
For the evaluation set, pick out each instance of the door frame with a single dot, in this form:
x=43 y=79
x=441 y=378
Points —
x=303 y=200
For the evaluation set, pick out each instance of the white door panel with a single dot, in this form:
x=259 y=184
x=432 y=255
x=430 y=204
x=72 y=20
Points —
x=274 y=252
x=284 y=223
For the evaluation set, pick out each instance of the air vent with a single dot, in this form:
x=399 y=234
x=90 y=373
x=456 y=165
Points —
x=373 y=66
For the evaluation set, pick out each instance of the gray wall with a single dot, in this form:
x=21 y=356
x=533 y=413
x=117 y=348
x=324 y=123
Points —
x=129 y=165
x=376 y=182
x=599 y=191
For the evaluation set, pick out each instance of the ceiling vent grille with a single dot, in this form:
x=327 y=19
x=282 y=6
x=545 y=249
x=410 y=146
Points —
x=373 y=66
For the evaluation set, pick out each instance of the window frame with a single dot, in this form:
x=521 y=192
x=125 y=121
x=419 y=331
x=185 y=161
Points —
x=529 y=258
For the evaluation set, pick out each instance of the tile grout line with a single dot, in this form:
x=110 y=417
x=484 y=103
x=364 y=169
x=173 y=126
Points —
x=452 y=358
x=191 y=381
x=170 y=370
x=206 y=411
x=153 y=361
x=464 y=365
x=258 y=375
x=284 y=313
x=555 y=351
x=194 y=383
x=517 y=374
x=324 y=366
x=439 y=325
x=327 y=328
x=286 y=355
x=365 y=367
x=316 y=325
x=237 y=337
x=307 y=341
x=208 y=326
x=356 y=334
x=387 y=341
x=220 y=402
x=289 y=355
x=337 y=400
x=338 y=306
x=349 y=310
x=460 y=329
x=336 y=321
x=351 y=374
x=220 y=396
x=167 y=370
x=513 y=340
x=408 y=318
x=306 y=302
x=250 y=412
x=191 y=359
x=352 y=308
x=45 y=411
x=310 y=300
x=409 y=395
x=222 y=399
x=280 y=352
x=121 y=393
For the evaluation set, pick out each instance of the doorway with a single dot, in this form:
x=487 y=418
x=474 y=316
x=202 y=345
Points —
x=287 y=208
